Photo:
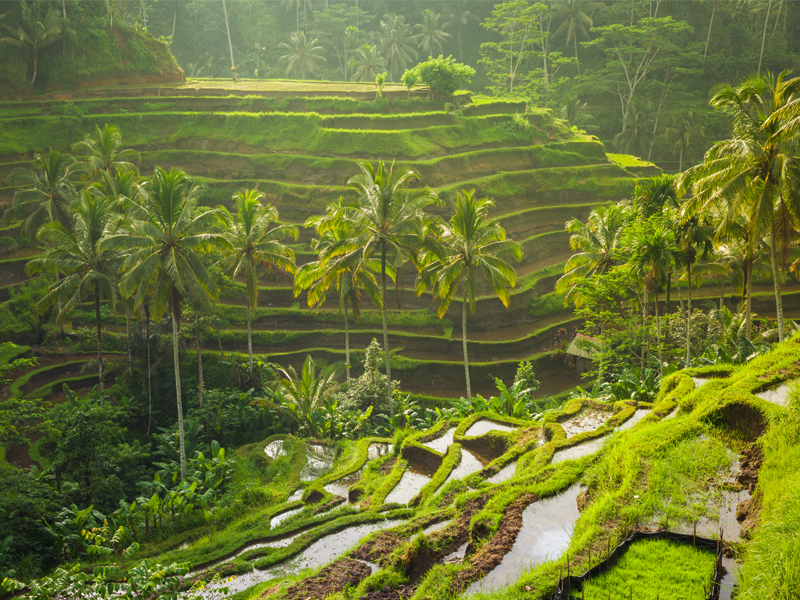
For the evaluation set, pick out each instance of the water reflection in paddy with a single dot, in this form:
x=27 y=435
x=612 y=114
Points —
x=319 y=460
x=485 y=426
x=579 y=451
x=316 y=555
x=588 y=419
x=546 y=532
x=275 y=521
x=410 y=484
x=469 y=464
x=274 y=449
x=506 y=472
x=440 y=444
x=637 y=416
x=778 y=395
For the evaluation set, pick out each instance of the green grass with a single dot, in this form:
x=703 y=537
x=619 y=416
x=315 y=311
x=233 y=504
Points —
x=653 y=569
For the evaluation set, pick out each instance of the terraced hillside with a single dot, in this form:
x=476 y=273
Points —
x=505 y=507
x=300 y=150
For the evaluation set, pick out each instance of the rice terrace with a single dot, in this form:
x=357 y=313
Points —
x=400 y=300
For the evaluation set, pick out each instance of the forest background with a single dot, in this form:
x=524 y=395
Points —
x=636 y=73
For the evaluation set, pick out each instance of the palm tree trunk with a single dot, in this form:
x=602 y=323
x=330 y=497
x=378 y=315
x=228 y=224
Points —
x=776 y=277
x=464 y=343
x=346 y=345
x=99 y=340
x=297 y=9
x=228 y=29
x=577 y=62
x=658 y=335
x=749 y=301
x=764 y=37
x=178 y=391
x=175 y=22
x=721 y=292
x=64 y=7
x=386 y=335
x=646 y=331
x=149 y=368
x=130 y=344
x=669 y=291
x=708 y=37
x=199 y=358
x=689 y=313
x=35 y=63
x=680 y=164
x=249 y=342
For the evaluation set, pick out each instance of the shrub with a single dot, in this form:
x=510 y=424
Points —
x=443 y=75
x=369 y=389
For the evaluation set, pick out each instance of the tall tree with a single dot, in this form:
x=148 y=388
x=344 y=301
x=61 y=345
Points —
x=367 y=63
x=576 y=20
x=351 y=276
x=595 y=244
x=40 y=26
x=333 y=25
x=653 y=256
x=634 y=52
x=396 y=44
x=164 y=266
x=44 y=191
x=387 y=222
x=756 y=172
x=459 y=17
x=430 y=37
x=255 y=238
x=470 y=245
x=303 y=55
x=685 y=128
x=104 y=152
x=87 y=262
x=516 y=23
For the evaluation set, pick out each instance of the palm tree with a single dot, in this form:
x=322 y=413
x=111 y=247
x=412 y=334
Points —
x=458 y=16
x=595 y=244
x=396 y=42
x=254 y=238
x=685 y=127
x=755 y=172
x=386 y=221
x=104 y=153
x=575 y=21
x=302 y=56
x=296 y=4
x=636 y=138
x=653 y=256
x=307 y=391
x=44 y=192
x=347 y=272
x=430 y=36
x=469 y=245
x=164 y=266
x=86 y=261
x=41 y=25
x=367 y=64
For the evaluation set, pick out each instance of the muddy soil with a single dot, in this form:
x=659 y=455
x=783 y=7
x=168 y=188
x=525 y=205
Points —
x=487 y=447
x=747 y=513
x=446 y=539
x=491 y=553
x=401 y=592
x=330 y=580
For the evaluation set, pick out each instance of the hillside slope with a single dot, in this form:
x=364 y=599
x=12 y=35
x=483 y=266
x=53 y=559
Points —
x=301 y=150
